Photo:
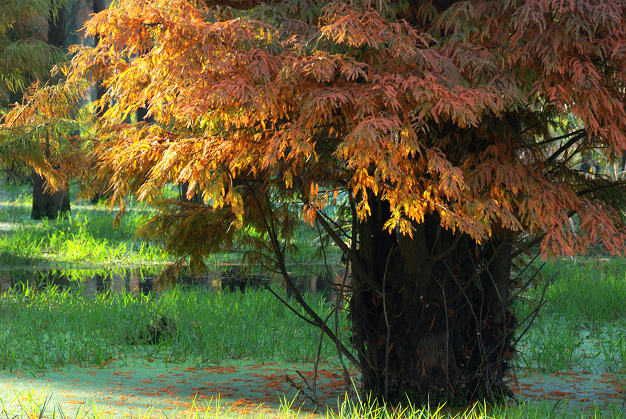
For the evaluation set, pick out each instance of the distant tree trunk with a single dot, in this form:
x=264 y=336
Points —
x=195 y=199
x=56 y=204
x=142 y=115
x=57 y=29
x=98 y=6
x=47 y=204
x=433 y=324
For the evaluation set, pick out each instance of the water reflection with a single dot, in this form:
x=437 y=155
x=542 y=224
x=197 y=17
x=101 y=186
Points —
x=142 y=280
x=133 y=280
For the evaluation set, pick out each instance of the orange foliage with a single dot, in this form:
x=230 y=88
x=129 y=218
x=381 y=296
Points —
x=436 y=111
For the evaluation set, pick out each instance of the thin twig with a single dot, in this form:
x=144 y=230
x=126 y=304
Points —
x=388 y=337
x=278 y=252
x=533 y=315
x=300 y=388
x=356 y=264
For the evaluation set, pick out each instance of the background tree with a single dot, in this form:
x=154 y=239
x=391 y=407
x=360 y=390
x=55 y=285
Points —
x=48 y=203
x=33 y=38
x=26 y=55
x=438 y=122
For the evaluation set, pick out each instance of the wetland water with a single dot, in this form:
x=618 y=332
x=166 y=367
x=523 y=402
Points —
x=136 y=386
x=141 y=280
x=140 y=382
x=140 y=385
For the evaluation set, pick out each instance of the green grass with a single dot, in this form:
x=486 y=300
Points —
x=584 y=317
x=87 y=237
x=588 y=289
x=55 y=328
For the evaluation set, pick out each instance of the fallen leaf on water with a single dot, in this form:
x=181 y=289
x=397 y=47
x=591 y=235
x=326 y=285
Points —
x=122 y=373
x=558 y=393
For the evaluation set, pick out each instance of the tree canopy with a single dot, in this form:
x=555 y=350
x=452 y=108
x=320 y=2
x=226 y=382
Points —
x=452 y=111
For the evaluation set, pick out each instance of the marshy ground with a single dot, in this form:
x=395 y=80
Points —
x=76 y=350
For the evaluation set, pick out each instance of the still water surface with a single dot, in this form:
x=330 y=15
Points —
x=142 y=280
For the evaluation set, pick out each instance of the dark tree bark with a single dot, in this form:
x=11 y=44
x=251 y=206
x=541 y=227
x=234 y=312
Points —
x=195 y=199
x=434 y=324
x=57 y=29
x=142 y=115
x=51 y=204
x=48 y=204
x=99 y=6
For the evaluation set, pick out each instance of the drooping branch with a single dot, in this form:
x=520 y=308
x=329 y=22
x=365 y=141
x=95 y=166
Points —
x=356 y=264
x=272 y=231
x=560 y=137
x=566 y=146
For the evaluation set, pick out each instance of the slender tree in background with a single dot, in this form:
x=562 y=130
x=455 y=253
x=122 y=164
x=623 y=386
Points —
x=47 y=203
x=25 y=57
x=439 y=123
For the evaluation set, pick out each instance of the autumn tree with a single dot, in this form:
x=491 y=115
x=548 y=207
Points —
x=438 y=123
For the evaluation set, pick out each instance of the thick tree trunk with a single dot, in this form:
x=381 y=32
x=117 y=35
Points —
x=437 y=326
x=47 y=204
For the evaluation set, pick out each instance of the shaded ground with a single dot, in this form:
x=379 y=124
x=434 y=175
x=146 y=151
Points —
x=241 y=387
x=571 y=391
x=138 y=386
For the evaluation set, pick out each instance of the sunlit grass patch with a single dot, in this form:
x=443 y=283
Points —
x=88 y=236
